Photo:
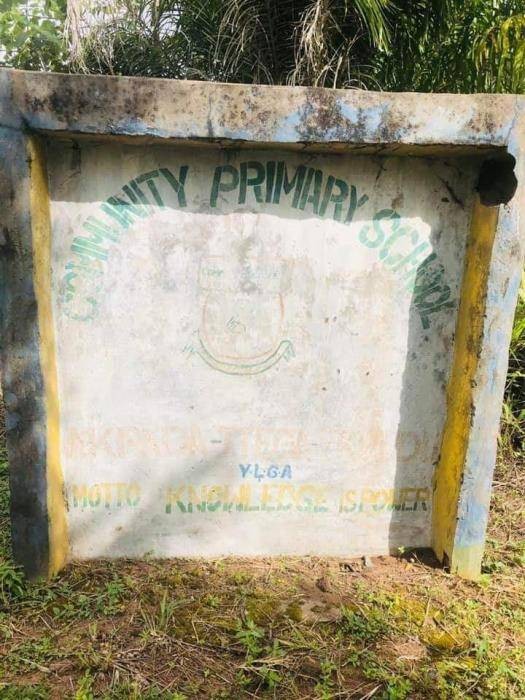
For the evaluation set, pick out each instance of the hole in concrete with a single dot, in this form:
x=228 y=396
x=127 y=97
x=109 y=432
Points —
x=497 y=182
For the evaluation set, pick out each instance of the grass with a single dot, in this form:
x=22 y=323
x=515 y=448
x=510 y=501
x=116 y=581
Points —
x=282 y=628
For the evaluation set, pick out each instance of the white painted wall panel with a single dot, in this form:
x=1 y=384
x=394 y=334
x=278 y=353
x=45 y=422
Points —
x=252 y=377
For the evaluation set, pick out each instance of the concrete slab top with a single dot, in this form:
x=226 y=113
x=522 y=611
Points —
x=91 y=105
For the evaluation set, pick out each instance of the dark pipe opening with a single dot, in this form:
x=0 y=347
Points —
x=497 y=183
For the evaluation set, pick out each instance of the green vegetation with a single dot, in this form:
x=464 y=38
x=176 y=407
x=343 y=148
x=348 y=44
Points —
x=513 y=419
x=425 y=45
x=32 y=34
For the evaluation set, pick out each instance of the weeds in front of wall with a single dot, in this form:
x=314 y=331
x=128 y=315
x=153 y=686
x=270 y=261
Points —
x=159 y=621
x=250 y=637
x=12 y=582
x=512 y=436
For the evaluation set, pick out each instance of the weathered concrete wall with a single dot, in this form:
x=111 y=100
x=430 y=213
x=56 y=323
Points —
x=223 y=331
x=249 y=361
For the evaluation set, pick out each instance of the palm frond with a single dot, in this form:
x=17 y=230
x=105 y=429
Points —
x=500 y=55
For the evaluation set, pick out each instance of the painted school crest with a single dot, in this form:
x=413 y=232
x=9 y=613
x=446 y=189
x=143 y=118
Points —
x=242 y=315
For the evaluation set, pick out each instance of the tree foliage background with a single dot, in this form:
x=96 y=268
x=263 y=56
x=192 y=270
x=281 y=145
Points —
x=398 y=45
x=424 y=45
x=32 y=34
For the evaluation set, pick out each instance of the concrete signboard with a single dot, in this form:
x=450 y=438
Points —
x=253 y=321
